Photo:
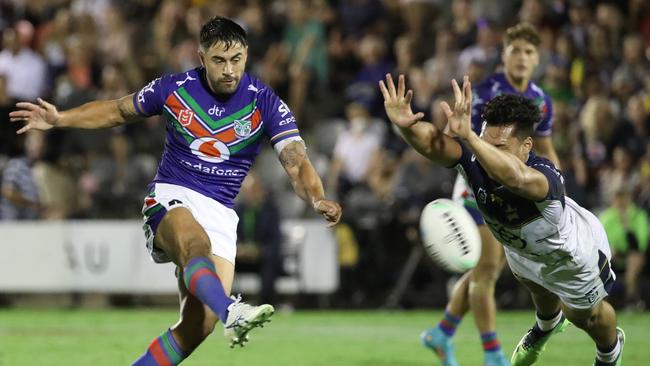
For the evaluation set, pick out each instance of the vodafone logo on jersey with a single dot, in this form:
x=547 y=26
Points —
x=185 y=117
x=210 y=149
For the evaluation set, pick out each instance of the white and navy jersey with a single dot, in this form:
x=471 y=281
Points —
x=544 y=231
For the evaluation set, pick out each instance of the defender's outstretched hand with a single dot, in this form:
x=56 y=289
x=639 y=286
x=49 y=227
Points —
x=460 y=118
x=330 y=210
x=41 y=116
x=398 y=103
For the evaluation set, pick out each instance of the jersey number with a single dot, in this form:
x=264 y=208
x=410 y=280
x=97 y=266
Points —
x=506 y=237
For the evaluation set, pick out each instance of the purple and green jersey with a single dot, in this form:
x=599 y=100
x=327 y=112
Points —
x=211 y=143
x=496 y=85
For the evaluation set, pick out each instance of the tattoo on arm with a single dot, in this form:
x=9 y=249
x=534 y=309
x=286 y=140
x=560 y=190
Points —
x=126 y=108
x=292 y=155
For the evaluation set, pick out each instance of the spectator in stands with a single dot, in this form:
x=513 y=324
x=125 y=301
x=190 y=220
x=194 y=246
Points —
x=622 y=172
x=597 y=122
x=627 y=228
x=634 y=62
x=533 y=12
x=57 y=188
x=120 y=178
x=53 y=39
x=7 y=132
x=354 y=150
x=375 y=64
x=642 y=197
x=404 y=49
x=24 y=69
x=416 y=16
x=260 y=37
x=20 y=200
x=634 y=131
x=444 y=62
x=555 y=81
x=608 y=16
x=417 y=183
x=579 y=20
x=599 y=59
x=259 y=240
x=305 y=39
x=463 y=23
x=359 y=16
x=485 y=51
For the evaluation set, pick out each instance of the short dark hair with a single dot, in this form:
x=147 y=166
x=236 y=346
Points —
x=220 y=29
x=512 y=109
x=523 y=31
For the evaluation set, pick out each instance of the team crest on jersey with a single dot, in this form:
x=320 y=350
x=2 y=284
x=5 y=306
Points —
x=185 y=117
x=242 y=128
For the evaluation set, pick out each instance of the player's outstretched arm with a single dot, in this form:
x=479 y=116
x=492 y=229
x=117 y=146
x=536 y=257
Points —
x=306 y=182
x=97 y=114
x=422 y=136
x=502 y=166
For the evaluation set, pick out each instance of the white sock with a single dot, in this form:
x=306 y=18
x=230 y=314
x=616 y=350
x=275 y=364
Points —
x=548 y=325
x=610 y=356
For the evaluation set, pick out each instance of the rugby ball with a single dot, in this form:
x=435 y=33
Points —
x=450 y=235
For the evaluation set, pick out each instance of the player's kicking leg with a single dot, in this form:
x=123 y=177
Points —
x=475 y=290
x=205 y=281
x=549 y=320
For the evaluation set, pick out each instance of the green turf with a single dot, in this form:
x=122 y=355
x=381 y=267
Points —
x=110 y=338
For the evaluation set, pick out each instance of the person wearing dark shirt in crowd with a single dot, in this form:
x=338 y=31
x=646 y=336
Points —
x=7 y=137
x=258 y=235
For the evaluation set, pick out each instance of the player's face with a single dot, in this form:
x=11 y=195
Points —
x=224 y=67
x=504 y=138
x=520 y=59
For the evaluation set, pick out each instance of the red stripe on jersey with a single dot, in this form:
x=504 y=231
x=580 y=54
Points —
x=195 y=127
x=256 y=119
x=227 y=136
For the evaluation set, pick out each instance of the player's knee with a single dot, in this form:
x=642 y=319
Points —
x=583 y=319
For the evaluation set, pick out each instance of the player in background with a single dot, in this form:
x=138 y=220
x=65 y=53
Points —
x=475 y=289
x=216 y=116
x=556 y=248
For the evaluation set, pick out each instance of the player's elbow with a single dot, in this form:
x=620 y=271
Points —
x=436 y=145
x=514 y=180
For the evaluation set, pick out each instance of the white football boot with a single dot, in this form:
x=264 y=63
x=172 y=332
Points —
x=242 y=318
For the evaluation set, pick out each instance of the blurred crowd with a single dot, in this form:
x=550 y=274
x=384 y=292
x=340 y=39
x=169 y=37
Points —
x=324 y=58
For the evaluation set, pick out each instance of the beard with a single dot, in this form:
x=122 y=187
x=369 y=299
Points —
x=221 y=87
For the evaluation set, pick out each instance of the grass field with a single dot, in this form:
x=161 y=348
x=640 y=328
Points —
x=111 y=338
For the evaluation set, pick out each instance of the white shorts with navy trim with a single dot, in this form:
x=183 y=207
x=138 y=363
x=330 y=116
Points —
x=218 y=221
x=582 y=279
